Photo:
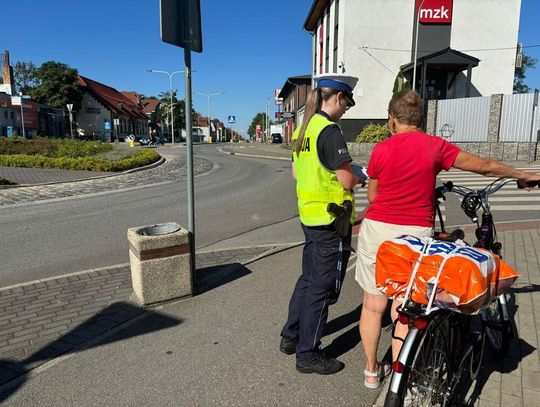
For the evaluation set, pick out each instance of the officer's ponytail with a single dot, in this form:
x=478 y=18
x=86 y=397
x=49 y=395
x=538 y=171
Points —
x=313 y=104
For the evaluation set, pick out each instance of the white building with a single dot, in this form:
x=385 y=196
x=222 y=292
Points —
x=465 y=48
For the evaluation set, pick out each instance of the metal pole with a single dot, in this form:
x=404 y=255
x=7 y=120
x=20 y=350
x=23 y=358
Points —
x=189 y=142
x=172 y=110
x=71 y=124
x=416 y=44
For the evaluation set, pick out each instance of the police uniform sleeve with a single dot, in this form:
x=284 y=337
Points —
x=332 y=148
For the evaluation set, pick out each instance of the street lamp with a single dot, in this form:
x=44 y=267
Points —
x=22 y=114
x=170 y=92
x=416 y=43
x=209 y=95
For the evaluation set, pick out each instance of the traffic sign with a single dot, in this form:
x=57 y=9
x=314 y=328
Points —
x=180 y=22
x=231 y=119
x=107 y=125
x=287 y=115
x=278 y=115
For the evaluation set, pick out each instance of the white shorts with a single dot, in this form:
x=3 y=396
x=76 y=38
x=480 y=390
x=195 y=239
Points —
x=372 y=234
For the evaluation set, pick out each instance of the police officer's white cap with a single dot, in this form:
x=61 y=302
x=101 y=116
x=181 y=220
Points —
x=345 y=83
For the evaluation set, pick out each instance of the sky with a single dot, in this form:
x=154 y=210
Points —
x=250 y=47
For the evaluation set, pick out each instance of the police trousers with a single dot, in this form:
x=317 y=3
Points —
x=323 y=269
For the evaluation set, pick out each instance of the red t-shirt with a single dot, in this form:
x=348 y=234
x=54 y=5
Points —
x=406 y=167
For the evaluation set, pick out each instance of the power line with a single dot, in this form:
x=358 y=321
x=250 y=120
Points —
x=383 y=65
x=463 y=50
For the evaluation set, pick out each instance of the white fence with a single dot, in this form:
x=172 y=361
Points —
x=517 y=117
x=464 y=119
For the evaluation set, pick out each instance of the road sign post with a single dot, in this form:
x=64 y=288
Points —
x=180 y=25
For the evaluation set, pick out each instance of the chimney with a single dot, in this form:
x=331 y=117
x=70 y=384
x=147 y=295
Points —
x=7 y=74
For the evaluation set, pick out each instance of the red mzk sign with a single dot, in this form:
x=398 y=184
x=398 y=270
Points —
x=435 y=11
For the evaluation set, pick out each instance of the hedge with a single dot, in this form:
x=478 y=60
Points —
x=145 y=157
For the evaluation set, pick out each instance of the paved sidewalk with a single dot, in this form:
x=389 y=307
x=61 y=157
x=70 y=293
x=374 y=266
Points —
x=42 y=320
x=223 y=343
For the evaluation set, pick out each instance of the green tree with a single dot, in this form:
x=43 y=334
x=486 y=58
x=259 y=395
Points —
x=25 y=76
x=520 y=74
x=57 y=85
x=259 y=119
x=163 y=113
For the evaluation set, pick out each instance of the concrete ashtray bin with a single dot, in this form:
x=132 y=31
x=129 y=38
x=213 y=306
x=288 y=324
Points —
x=160 y=259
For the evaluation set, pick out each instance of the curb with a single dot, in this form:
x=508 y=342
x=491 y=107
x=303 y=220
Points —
x=272 y=249
x=159 y=162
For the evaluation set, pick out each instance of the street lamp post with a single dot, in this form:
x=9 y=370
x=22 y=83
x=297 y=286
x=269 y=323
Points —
x=416 y=43
x=208 y=96
x=170 y=92
x=22 y=114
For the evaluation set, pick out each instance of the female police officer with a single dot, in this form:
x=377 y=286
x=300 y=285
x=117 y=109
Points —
x=324 y=182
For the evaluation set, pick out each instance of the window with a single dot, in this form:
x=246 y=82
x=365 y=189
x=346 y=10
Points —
x=5 y=114
x=336 y=35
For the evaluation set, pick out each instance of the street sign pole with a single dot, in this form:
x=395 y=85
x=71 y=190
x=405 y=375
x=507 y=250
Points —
x=180 y=25
x=189 y=141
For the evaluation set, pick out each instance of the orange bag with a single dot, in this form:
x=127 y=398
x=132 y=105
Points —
x=466 y=278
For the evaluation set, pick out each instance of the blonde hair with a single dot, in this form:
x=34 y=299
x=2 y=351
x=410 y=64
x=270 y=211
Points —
x=407 y=107
x=313 y=103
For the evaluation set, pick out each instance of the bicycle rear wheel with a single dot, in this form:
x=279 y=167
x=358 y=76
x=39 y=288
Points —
x=498 y=331
x=427 y=380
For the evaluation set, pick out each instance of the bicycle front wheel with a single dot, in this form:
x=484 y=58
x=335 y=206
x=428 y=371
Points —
x=498 y=330
x=426 y=379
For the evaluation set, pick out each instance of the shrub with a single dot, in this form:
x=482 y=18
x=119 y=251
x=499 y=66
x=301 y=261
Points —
x=373 y=133
x=72 y=159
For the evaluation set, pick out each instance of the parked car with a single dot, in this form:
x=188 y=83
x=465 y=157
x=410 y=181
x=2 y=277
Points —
x=276 y=138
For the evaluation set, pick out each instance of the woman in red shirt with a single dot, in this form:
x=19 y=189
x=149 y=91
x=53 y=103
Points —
x=403 y=171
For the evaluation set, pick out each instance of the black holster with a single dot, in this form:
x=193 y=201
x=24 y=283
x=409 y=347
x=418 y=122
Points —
x=342 y=213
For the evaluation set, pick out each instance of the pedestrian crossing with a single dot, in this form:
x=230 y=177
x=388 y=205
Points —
x=507 y=199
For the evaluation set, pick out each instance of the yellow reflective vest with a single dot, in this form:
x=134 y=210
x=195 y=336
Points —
x=316 y=186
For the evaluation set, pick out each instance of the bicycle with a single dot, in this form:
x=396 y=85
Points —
x=440 y=354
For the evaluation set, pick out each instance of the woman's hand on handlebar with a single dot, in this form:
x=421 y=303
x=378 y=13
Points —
x=528 y=181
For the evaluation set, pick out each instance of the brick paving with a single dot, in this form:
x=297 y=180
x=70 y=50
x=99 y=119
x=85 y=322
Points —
x=40 y=321
x=174 y=168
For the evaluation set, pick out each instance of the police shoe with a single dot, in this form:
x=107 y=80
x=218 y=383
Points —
x=287 y=345
x=320 y=364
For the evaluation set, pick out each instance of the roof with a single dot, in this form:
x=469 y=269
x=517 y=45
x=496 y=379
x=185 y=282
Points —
x=448 y=57
x=114 y=100
x=133 y=96
x=150 y=105
x=292 y=82
x=315 y=13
